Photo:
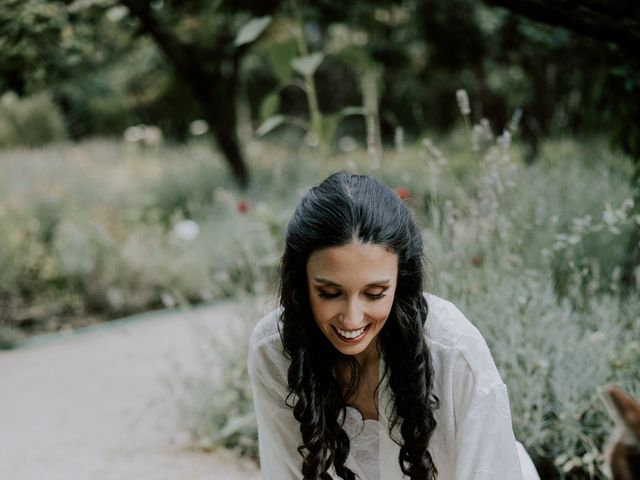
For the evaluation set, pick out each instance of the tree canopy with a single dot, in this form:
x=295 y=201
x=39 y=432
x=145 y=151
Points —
x=570 y=66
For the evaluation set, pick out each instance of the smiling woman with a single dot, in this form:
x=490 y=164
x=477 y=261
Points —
x=351 y=295
x=361 y=374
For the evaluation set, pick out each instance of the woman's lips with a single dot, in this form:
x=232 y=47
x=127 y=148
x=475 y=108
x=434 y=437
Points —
x=347 y=335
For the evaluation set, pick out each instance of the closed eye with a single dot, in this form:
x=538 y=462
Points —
x=328 y=295
x=375 y=296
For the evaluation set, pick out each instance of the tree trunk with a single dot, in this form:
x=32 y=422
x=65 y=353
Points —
x=214 y=90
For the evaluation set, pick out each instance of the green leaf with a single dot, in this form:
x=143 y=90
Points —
x=269 y=124
x=270 y=105
x=307 y=65
x=280 y=55
x=345 y=112
x=356 y=57
x=252 y=30
x=328 y=128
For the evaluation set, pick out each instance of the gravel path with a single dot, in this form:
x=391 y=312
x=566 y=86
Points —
x=92 y=405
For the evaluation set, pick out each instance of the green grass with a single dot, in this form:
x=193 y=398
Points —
x=101 y=229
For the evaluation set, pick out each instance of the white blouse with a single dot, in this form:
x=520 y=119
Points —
x=473 y=439
x=364 y=437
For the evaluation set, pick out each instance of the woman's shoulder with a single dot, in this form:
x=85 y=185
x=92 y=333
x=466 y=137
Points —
x=267 y=362
x=457 y=343
x=266 y=331
x=447 y=325
x=265 y=345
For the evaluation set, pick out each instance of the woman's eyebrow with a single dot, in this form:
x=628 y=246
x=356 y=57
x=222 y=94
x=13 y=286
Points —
x=326 y=281
x=379 y=283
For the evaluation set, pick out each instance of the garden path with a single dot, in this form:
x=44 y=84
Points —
x=93 y=405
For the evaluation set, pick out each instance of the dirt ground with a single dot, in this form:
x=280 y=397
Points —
x=92 y=405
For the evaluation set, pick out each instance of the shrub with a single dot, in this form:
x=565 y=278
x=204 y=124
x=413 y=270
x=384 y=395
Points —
x=215 y=402
x=32 y=121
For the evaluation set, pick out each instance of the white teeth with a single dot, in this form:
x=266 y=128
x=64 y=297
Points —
x=351 y=334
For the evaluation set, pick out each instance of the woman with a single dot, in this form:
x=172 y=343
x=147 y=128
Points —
x=359 y=374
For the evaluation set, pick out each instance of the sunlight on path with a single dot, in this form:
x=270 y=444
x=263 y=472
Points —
x=92 y=405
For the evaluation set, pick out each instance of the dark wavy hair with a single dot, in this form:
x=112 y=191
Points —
x=343 y=208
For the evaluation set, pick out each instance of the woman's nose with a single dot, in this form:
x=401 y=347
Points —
x=352 y=316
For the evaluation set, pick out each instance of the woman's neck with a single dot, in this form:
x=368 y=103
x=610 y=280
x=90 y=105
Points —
x=363 y=395
x=369 y=358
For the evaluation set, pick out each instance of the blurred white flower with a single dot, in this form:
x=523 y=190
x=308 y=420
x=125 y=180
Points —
x=574 y=239
x=572 y=463
x=359 y=38
x=206 y=294
x=152 y=135
x=581 y=224
x=168 y=300
x=117 y=13
x=486 y=129
x=9 y=99
x=311 y=139
x=347 y=144
x=398 y=139
x=223 y=196
x=515 y=119
x=476 y=136
x=463 y=102
x=596 y=337
x=134 y=133
x=186 y=230
x=541 y=363
x=198 y=127
x=338 y=38
x=147 y=134
x=433 y=152
x=504 y=140
x=115 y=298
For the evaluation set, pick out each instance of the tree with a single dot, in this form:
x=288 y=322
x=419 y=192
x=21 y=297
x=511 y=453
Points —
x=47 y=44
x=208 y=61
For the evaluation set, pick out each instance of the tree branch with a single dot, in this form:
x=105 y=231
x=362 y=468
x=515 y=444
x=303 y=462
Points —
x=609 y=20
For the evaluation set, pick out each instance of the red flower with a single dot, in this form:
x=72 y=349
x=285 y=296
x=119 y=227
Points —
x=477 y=260
x=403 y=193
x=243 y=206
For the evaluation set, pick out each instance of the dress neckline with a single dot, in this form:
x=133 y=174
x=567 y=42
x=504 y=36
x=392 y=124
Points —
x=357 y=411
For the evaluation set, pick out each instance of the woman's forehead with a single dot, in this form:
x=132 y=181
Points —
x=356 y=261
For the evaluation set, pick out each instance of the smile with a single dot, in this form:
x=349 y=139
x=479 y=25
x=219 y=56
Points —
x=352 y=335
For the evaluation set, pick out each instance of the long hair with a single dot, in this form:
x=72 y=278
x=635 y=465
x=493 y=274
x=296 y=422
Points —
x=342 y=208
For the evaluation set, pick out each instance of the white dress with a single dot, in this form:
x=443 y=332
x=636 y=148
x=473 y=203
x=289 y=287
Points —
x=473 y=439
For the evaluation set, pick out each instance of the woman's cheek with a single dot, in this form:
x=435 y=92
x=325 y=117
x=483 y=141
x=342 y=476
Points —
x=385 y=307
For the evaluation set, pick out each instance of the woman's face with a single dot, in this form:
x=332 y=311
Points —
x=351 y=290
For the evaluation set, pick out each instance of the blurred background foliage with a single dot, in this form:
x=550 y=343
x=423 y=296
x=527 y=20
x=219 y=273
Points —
x=106 y=69
x=113 y=201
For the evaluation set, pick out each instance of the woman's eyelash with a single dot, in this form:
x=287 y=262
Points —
x=328 y=295
x=376 y=296
x=372 y=296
